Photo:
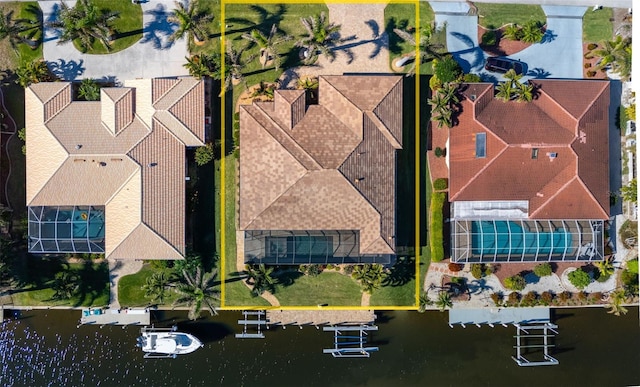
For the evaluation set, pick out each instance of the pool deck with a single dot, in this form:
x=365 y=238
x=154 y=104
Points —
x=115 y=317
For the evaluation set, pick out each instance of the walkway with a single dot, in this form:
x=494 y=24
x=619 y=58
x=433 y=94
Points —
x=365 y=51
x=150 y=57
x=564 y=35
x=117 y=270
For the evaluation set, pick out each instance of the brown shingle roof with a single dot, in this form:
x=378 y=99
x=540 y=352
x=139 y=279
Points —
x=134 y=170
x=334 y=170
x=572 y=185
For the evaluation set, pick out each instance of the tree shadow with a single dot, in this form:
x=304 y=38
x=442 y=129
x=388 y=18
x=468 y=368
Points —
x=548 y=37
x=403 y=271
x=286 y=278
x=158 y=30
x=68 y=71
x=394 y=40
x=615 y=147
x=478 y=286
x=266 y=19
x=538 y=73
x=207 y=332
x=94 y=282
x=50 y=34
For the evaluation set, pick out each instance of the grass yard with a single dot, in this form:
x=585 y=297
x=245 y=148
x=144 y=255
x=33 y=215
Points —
x=597 y=25
x=404 y=295
x=10 y=58
x=39 y=277
x=128 y=26
x=331 y=288
x=130 y=293
x=403 y=16
x=497 y=15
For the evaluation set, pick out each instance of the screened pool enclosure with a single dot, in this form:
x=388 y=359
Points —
x=526 y=240
x=66 y=229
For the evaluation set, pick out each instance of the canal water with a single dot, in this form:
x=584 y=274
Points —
x=44 y=348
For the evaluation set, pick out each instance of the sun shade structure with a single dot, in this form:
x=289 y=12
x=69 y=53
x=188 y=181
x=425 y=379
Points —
x=317 y=181
x=530 y=181
x=109 y=176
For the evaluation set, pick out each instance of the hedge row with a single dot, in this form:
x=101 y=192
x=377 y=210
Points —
x=436 y=221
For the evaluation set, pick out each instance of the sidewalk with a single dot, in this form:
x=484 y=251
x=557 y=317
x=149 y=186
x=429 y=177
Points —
x=117 y=270
x=150 y=57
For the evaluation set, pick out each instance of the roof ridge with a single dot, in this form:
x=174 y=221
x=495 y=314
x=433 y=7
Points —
x=377 y=122
x=387 y=94
x=593 y=101
x=558 y=104
x=481 y=170
x=289 y=136
x=117 y=191
x=592 y=196
x=381 y=239
x=546 y=202
x=345 y=98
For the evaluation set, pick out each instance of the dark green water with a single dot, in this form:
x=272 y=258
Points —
x=44 y=348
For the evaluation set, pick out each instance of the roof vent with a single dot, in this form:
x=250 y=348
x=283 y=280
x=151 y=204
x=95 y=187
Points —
x=472 y=97
x=102 y=164
x=152 y=164
x=78 y=146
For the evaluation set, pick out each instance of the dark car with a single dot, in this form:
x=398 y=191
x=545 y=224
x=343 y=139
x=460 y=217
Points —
x=502 y=65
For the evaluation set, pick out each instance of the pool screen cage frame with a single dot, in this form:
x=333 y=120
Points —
x=587 y=241
x=51 y=229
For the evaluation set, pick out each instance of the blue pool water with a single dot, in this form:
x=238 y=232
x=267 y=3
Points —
x=509 y=236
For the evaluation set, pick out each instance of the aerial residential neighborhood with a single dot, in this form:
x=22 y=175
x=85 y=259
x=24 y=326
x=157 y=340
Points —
x=189 y=169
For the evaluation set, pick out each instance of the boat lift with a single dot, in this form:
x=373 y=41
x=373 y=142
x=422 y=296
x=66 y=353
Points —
x=523 y=343
x=258 y=323
x=350 y=345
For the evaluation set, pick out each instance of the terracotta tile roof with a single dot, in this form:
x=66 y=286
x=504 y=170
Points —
x=568 y=179
x=115 y=153
x=331 y=169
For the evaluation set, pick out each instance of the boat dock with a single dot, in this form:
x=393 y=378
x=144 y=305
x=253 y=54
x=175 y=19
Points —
x=319 y=317
x=495 y=316
x=124 y=317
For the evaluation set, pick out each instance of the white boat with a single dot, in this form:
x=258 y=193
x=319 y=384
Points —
x=166 y=342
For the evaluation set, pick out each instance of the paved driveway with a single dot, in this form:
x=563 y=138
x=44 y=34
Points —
x=559 y=56
x=152 y=56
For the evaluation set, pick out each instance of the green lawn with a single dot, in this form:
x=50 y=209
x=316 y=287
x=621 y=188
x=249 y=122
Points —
x=497 y=15
x=39 y=275
x=10 y=58
x=596 y=25
x=331 y=288
x=403 y=16
x=395 y=295
x=128 y=26
x=130 y=293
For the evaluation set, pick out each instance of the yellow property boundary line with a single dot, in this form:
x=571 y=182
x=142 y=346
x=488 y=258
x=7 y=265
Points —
x=223 y=164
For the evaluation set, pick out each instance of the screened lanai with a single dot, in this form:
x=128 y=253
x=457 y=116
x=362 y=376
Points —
x=526 y=240
x=298 y=247
x=66 y=229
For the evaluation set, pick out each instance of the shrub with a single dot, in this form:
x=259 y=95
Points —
x=629 y=281
x=89 y=90
x=583 y=296
x=488 y=270
x=489 y=38
x=348 y=270
x=546 y=298
x=514 y=297
x=591 y=73
x=497 y=298
x=311 y=270
x=565 y=296
x=440 y=184
x=476 y=270
x=436 y=239
x=595 y=297
x=530 y=298
x=447 y=70
x=630 y=111
x=434 y=82
x=22 y=135
x=543 y=270
x=513 y=32
x=587 y=65
x=579 y=278
x=628 y=235
x=532 y=32
x=204 y=154
x=440 y=152
x=632 y=265
x=592 y=46
x=472 y=78
x=455 y=267
x=515 y=282
x=330 y=267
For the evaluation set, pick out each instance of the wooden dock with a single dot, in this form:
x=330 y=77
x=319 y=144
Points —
x=131 y=316
x=320 y=317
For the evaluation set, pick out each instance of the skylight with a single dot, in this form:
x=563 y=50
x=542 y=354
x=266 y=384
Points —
x=481 y=145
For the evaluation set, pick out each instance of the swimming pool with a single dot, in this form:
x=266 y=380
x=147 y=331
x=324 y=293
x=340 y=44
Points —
x=510 y=238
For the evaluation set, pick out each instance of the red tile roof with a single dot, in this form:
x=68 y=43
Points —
x=568 y=120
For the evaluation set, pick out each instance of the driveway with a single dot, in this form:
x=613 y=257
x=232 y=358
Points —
x=559 y=56
x=152 y=56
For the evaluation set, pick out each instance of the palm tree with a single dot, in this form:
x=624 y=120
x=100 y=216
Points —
x=449 y=92
x=201 y=65
x=616 y=298
x=605 y=267
x=438 y=103
x=513 y=32
x=197 y=292
x=32 y=72
x=532 y=32
x=505 y=91
x=427 y=49
x=66 y=285
x=14 y=28
x=89 y=90
x=444 y=118
x=370 y=276
x=524 y=92
x=155 y=287
x=259 y=276
x=616 y=54
x=264 y=90
x=268 y=44
x=444 y=301
x=319 y=37
x=424 y=301
x=84 y=23
x=234 y=66
x=190 y=20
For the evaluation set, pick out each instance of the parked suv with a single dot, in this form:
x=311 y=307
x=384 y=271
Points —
x=502 y=65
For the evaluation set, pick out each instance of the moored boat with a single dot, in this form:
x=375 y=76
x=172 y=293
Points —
x=166 y=342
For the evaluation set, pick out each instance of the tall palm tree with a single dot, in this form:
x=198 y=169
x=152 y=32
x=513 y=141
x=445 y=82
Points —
x=268 y=44
x=190 y=20
x=605 y=268
x=444 y=301
x=615 y=53
x=524 y=92
x=264 y=90
x=197 y=292
x=89 y=90
x=370 y=276
x=13 y=29
x=32 y=72
x=426 y=47
x=319 y=37
x=259 y=277
x=66 y=285
x=616 y=298
x=201 y=65
x=84 y=23
x=155 y=287
x=234 y=66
